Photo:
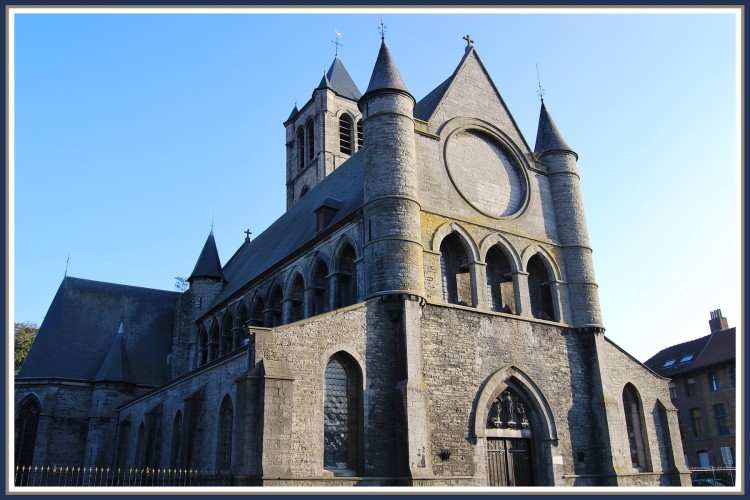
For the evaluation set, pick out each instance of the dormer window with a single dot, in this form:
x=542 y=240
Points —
x=687 y=358
x=669 y=363
x=325 y=212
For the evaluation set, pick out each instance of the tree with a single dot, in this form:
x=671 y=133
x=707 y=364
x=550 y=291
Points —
x=181 y=284
x=24 y=335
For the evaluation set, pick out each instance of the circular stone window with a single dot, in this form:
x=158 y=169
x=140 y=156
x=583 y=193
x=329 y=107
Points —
x=487 y=176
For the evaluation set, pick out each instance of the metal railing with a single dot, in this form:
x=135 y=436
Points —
x=106 y=477
x=713 y=476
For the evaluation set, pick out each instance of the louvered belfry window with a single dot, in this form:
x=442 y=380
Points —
x=345 y=134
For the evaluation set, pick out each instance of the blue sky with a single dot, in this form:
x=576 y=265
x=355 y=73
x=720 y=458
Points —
x=133 y=132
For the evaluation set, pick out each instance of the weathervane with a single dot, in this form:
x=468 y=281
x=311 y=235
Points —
x=539 y=92
x=212 y=223
x=382 y=29
x=469 y=41
x=337 y=41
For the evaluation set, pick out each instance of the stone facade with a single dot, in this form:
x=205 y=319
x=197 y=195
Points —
x=426 y=314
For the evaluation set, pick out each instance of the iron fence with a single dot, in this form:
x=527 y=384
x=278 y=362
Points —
x=99 y=476
x=713 y=476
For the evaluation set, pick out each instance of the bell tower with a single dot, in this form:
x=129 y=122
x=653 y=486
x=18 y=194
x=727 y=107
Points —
x=322 y=134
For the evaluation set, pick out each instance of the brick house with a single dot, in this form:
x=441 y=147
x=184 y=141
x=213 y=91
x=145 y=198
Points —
x=424 y=313
x=702 y=388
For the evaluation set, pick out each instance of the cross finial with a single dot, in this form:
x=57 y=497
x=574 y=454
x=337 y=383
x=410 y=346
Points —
x=469 y=41
x=247 y=234
x=66 y=266
x=337 y=42
x=382 y=29
x=539 y=92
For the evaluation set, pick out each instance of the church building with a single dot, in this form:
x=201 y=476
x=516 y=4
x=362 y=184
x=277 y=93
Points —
x=425 y=313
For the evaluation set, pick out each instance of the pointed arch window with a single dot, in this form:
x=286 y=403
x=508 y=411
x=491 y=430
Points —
x=226 y=419
x=634 y=421
x=310 y=130
x=320 y=289
x=175 y=454
x=540 y=289
x=26 y=430
x=296 y=298
x=304 y=191
x=342 y=413
x=225 y=342
x=300 y=148
x=256 y=311
x=500 y=287
x=140 y=447
x=213 y=342
x=347 y=277
x=273 y=313
x=239 y=331
x=454 y=271
x=345 y=134
x=203 y=347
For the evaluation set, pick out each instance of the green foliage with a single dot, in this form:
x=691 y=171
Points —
x=181 y=284
x=24 y=335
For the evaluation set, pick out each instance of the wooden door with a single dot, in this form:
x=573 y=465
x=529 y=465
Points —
x=509 y=462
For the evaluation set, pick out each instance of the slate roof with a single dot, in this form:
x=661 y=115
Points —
x=712 y=349
x=296 y=227
x=548 y=138
x=78 y=338
x=385 y=74
x=427 y=105
x=340 y=82
x=208 y=265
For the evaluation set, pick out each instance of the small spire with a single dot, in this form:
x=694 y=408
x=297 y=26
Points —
x=539 y=92
x=337 y=41
x=382 y=29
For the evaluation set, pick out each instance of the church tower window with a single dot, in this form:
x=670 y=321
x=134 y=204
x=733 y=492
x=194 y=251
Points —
x=634 y=423
x=540 y=289
x=345 y=134
x=26 y=428
x=226 y=417
x=300 y=148
x=454 y=271
x=341 y=414
x=500 y=288
x=360 y=136
x=310 y=129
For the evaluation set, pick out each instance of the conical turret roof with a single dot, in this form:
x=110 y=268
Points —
x=340 y=82
x=385 y=74
x=208 y=265
x=116 y=366
x=548 y=138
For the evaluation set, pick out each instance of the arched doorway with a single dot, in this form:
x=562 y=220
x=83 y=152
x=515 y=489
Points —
x=509 y=449
x=515 y=432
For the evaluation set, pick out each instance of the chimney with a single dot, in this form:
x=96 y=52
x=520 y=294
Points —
x=717 y=322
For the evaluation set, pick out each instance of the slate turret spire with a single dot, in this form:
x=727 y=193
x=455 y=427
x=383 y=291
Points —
x=208 y=265
x=548 y=137
x=385 y=74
